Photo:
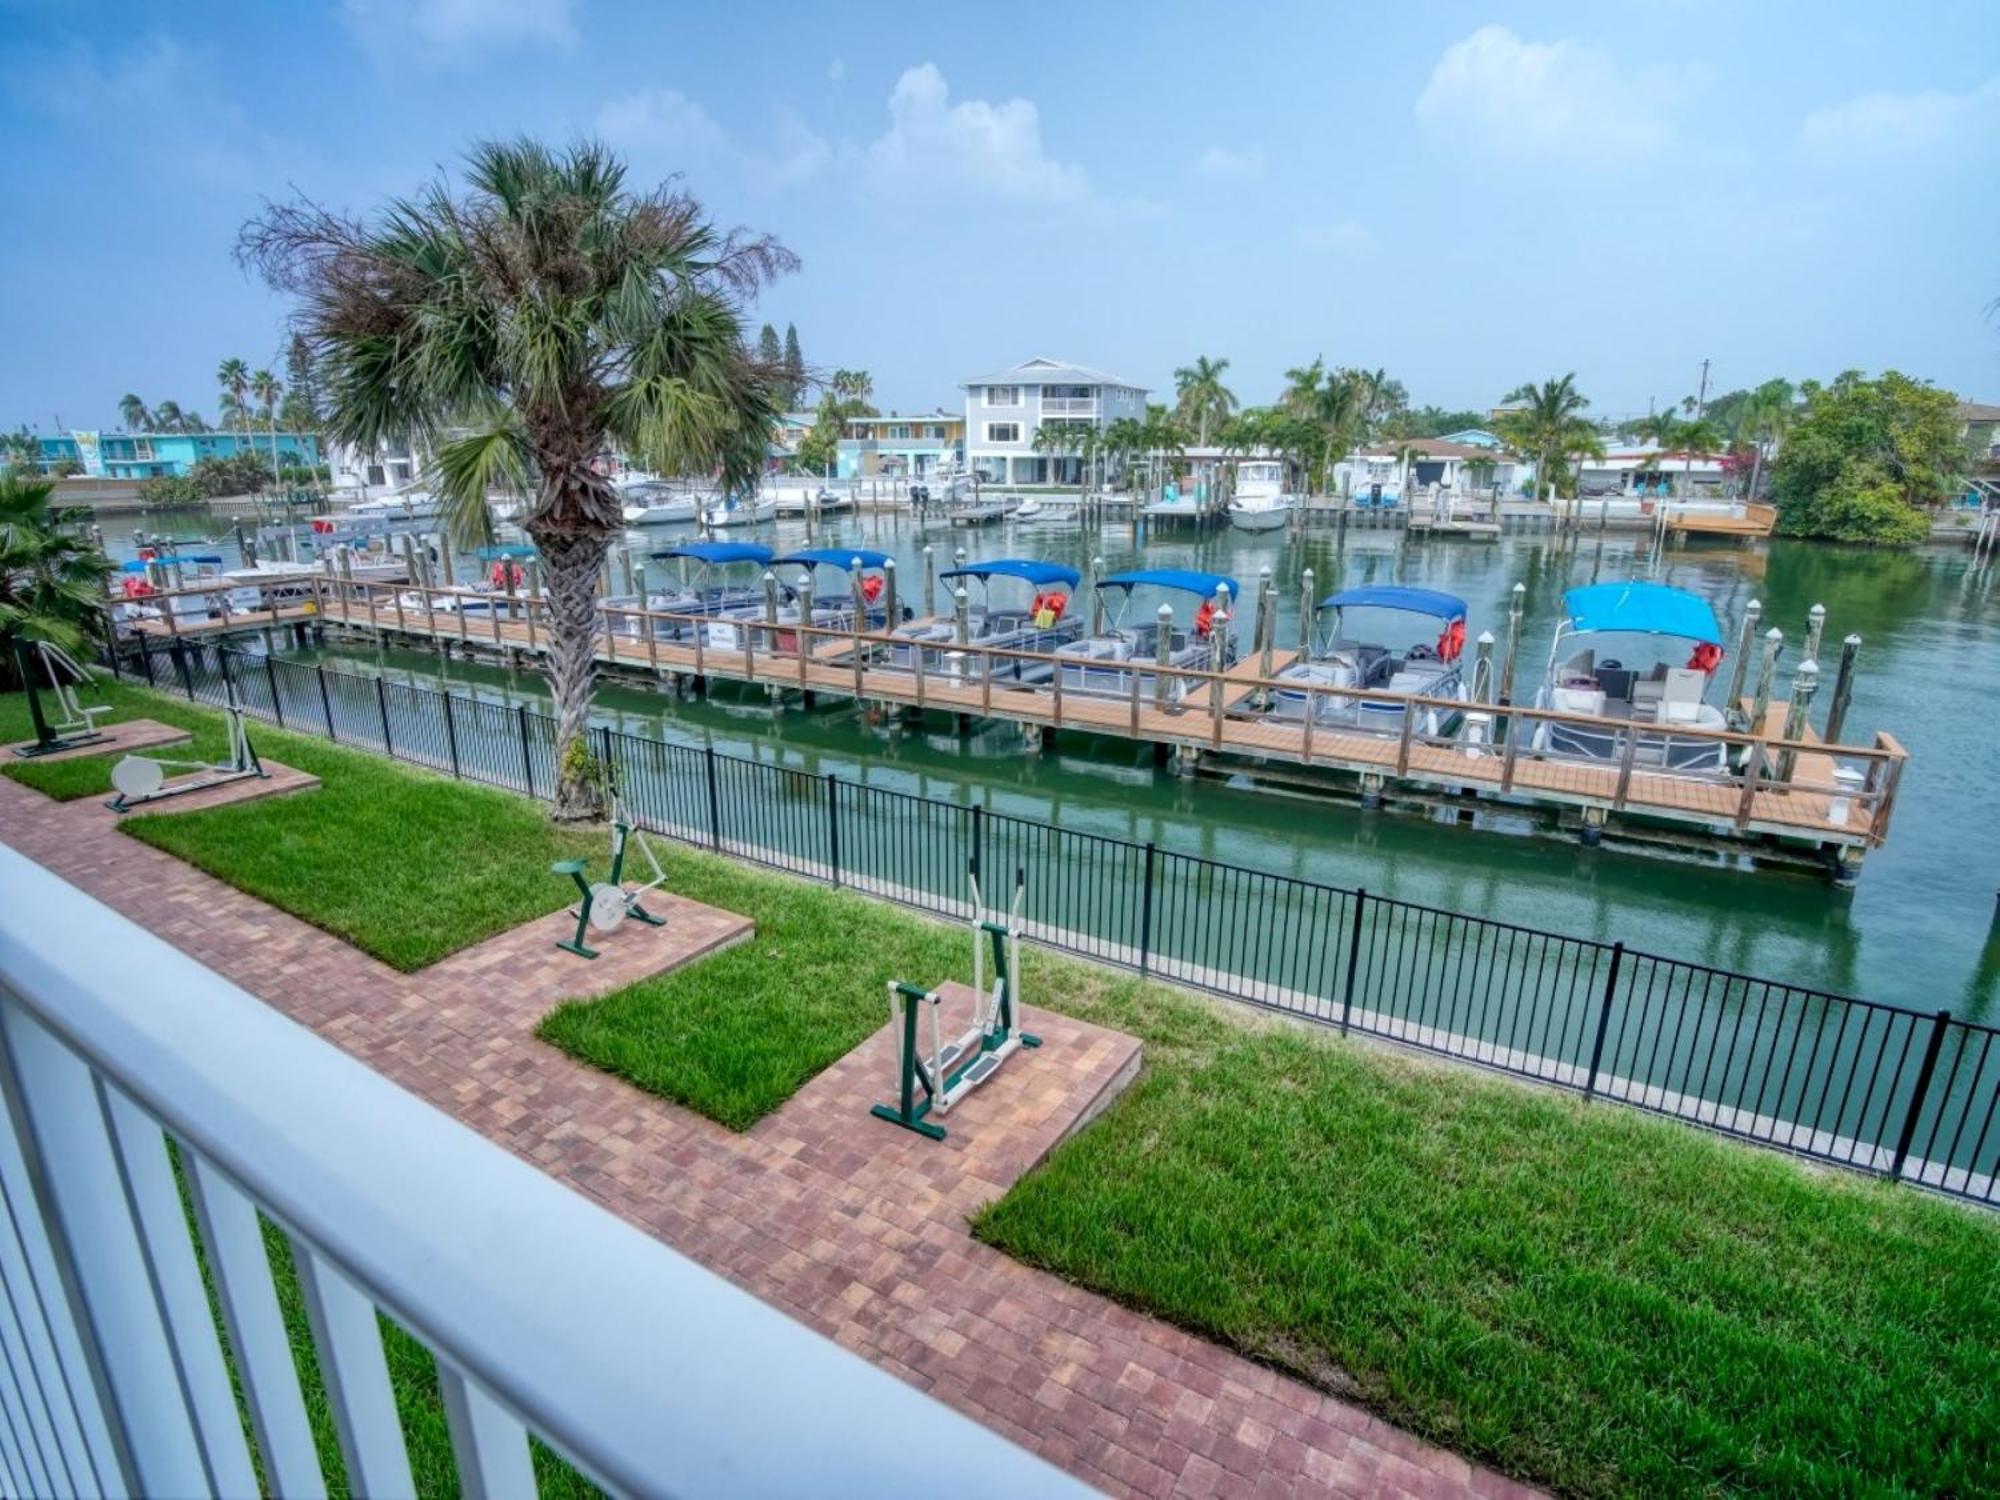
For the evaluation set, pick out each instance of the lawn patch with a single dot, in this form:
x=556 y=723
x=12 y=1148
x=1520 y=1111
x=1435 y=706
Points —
x=1579 y=1295
x=738 y=1034
x=404 y=864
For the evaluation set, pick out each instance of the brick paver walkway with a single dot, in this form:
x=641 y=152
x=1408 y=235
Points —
x=853 y=1226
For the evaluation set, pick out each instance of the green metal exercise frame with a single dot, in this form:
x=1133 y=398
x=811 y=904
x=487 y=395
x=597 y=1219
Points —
x=608 y=900
x=955 y=1069
x=49 y=739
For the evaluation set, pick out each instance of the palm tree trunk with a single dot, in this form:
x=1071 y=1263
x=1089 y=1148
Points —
x=1756 y=469
x=572 y=562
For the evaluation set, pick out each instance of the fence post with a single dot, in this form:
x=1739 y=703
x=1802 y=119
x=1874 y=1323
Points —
x=382 y=704
x=450 y=735
x=714 y=799
x=978 y=839
x=1939 y=1026
x=271 y=677
x=326 y=703
x=833 y=825
x=1353 y=958
x=146 y=661
x=229 y=693
x=179 y=654
x=1146 y=903
x=1604 y=1017
x=527 y=759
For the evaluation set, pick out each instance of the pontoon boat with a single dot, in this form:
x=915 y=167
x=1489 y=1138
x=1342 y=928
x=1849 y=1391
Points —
x=708 y=589
x=1099 y=662
x=833 y=603
x=1042 y=623
x=1363 y=638
x=1645 y=688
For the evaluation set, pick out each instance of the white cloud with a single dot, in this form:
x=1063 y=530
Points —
x=665 y=128
x=1220 y=161
x=459 y=31
x=1344 y=238
x=973 y=145
x=1563 y=101
x=158 y=104
x=1882 y=122
x=836 y=70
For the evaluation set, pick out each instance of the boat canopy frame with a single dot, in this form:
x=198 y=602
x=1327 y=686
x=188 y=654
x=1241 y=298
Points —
x=1432 y=604
x=1636 y=609
x=843 y=558
x=1028 y=570
x=1181 y=580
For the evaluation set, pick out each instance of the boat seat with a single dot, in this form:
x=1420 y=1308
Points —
x=1680 y=702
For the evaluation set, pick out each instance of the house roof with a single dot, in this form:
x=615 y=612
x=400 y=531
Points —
x=1430 y=448
x=1044 y=371
x=1978 y=411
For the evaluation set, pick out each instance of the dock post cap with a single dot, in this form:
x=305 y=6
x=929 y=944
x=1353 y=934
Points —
x=1485 y=638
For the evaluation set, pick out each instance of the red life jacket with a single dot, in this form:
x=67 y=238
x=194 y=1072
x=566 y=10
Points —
x=1452 y=641
x=871 y=587
x=1706 y=656
x=1204 y=619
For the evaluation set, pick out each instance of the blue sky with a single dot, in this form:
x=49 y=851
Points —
x=1467 y=195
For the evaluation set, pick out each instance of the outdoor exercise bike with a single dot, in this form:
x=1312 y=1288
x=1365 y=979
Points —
x=607 y=904
x=78 y=725
x=954 y=1069
x=142 y=779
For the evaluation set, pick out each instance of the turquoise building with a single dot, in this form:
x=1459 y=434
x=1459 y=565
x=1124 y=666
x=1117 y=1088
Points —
x=157 y=455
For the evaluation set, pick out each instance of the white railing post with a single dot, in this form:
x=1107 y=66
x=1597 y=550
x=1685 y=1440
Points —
x=491 y=1446
x=348 y=1339
x=81 y=1198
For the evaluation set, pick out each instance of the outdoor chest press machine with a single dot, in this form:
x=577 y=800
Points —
x=605 y=905
x=954 y=1069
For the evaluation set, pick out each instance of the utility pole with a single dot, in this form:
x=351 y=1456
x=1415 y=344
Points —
x=1701 y=400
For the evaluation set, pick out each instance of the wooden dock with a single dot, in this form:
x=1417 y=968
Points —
x=1802 y=815
x=1756 y=521
x=1428 y=523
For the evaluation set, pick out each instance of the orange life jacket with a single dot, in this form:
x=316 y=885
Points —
x=1204 y=619
x=1705 y=657
x=1452 y=642
x=871 y=587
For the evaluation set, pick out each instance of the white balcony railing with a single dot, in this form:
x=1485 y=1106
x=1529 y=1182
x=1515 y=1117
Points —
x=546 y=1313
x=1069 y=406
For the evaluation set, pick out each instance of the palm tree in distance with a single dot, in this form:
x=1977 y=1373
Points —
x=1204 y=400
x=521 y=326
x=132 y=412
x=167 y=417
x=1334 y=403
x=233 y=376
x=1766 y=415
x=1549 y=425
x=265 y=389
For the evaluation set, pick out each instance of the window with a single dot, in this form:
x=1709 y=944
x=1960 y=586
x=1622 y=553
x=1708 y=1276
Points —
x=1003 y=395
x=1068 y=392
x=900 y=431
x=1003 y=432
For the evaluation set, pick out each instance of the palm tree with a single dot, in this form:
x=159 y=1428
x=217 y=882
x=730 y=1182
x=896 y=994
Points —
x=1766 y=415
x=521 y=327
x=132 y=412
x=265 y=388
x=1122 y=438
x=51 y=580
x=1334 y=403
x=1061 y=439
x=233 y=376
x=169 y=418
x=1549 y=425
x=1204 y=399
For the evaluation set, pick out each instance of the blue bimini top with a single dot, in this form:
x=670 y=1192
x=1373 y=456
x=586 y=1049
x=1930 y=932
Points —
x=1028 y=570
x=1186 y=580
x=717 y=553
x=1642 y=609
x=1390 y=596
x=843 y=558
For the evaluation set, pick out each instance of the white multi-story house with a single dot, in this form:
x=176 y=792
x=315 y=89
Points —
x=1004 y=411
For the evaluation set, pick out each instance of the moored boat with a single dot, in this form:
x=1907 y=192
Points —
x=1379 y=637
x=1107 y=659
x=1041 y=623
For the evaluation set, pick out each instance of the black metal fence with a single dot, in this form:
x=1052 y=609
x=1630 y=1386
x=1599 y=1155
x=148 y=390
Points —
x=1864 y=1085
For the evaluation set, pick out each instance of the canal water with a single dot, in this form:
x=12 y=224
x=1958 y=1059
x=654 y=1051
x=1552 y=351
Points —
x=1918 y=931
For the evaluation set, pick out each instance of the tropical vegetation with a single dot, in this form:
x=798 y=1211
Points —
x=1202 y=400
x=1546 y=422
x=51 y=576
x=521 y=327
x=1863 y=458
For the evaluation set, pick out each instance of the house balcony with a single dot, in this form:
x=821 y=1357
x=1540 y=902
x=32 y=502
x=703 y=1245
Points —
x=1069 y=406
x=158 y=1119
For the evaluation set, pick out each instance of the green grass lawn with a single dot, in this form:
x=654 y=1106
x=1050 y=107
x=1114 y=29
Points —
x=404 y=864
x=1578 y=1294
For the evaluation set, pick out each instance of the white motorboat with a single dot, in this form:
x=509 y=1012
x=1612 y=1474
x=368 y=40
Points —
x=411 y=505
x=1627 y=693
x=736 y=511
x=1260 y=502
x=1365 y=643
x=658 y=504
x=1117 y=649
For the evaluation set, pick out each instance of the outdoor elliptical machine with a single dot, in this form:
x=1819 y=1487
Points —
x=954 y=1069
x=607 y=904
x=142 y=779
x=78 y=726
